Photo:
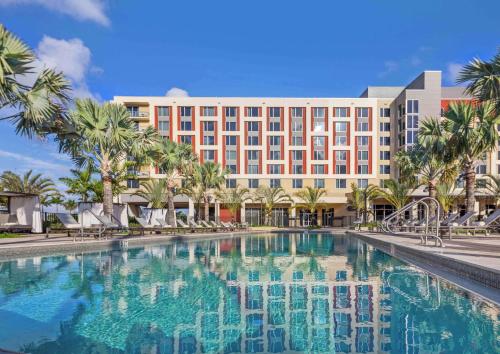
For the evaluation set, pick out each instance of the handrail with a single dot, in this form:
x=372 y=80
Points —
x=386 y=222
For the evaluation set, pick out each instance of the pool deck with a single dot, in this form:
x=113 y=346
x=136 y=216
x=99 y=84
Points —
x=473 y=262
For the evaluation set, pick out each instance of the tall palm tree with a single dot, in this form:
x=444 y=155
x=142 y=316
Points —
x=472 y=130
x=233 y=198
x=106 y=137
x=35 y=109
x=269 y=198
x=483 y=78
x=311 y=198
x=210 y=177
x=194 y=192
x=493 y=187
x=155 y=192
x=359 y=198
x=80 y=183
x=174 y=161
x=395 y=193
x=29 y=183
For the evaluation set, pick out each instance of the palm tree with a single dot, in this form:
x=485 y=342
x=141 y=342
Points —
x=29 y=183
x=311 y=197
x=395 y=193
x=81 y=183
x=155 y=192
x=446 y=196
x=233 y=198
x=209 y=176
x=174 y=161
x=483 y=79
x=269 y=198
x=493 y=187
x=431 y=158
x=107 y=136
x=70 y=204
x=35 y=109
x=359 y=198
x=472 y=130
x=195 y=193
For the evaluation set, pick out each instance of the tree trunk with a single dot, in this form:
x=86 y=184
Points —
x=171 y=207
x=432 y=193
x=107 y=197
x=207 y=208
x=470 y=181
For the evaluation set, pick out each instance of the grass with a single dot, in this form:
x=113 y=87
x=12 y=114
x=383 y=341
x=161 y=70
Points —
x=9 y=235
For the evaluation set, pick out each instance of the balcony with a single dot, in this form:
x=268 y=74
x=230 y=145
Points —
x=139 y=115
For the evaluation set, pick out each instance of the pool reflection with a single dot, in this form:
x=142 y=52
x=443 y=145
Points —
x=277 y=293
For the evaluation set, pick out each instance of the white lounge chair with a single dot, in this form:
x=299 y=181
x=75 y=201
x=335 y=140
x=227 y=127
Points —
x=71 y=225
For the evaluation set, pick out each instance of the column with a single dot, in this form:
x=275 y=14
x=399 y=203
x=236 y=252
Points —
x=242 y=213
x=217 y=211
x=190 y=209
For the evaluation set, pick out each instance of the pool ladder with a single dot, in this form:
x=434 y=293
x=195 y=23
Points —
x=390 y=222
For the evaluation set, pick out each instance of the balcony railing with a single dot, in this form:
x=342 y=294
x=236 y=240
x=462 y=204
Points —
x=139 y=114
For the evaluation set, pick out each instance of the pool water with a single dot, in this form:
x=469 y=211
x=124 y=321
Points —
x=280 y=293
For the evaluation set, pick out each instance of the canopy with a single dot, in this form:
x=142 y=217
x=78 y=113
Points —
x=88 y=219
x=26 y=208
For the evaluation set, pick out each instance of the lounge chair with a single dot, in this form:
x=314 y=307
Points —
x=220 y=226
x=461 y=222
x=9 y=223
x=449 y=219
x=483 y=225
x=71 y=225
x=228 y=225
x=185 y=227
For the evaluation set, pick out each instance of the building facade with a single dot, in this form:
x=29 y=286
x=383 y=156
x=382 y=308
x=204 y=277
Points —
x=297 y=142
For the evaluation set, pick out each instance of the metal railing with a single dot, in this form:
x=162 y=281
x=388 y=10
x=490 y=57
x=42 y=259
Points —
x=391 y=221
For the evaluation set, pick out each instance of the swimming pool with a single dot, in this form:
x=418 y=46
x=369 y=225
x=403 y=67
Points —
x=287 y=292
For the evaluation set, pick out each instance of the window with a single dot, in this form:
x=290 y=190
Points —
x=274 y=169
x=341 y=183
x=186 y=139
x=164 y=125
x=275 y=140
x=208 y=126
x=231 y=155
x=385 y=141
x=319 y=169
x=133 y=110
x=186 y=111
x=132 y=183
x=362 y=140
x=297 y=183
x=297 y=155
x=230 y=183
x=274 y=112
x=411 y=136
x=297 y=169
x=252 y=112
x=274 y=155
x=385 y=155
x=208 y=155
x=319 y=119
x=341 y=133
x=253 y=169
x=297 y=126
x=481 y=169
x=297 y=141
x=208 y=111
x=230 y=140
x=362 y=183
x=385 y=169
x=362 y=114
x=252 y=140
x=230 y=126
x=318 y=148
x=253 y=126
x=319 y=183
x=340 y=112
x=252 y=155
x=385 y=127
x=412 y=106
x=186 y=125
x=208 y=140
x=297 y=112
x=231 y=167
x=363 y=155
x=412 y=121
x=231 y=112
x=275 y=126
x=362 y=169
x=253 y=183
x=385 y=112
x=274 y=183
x=163 y=111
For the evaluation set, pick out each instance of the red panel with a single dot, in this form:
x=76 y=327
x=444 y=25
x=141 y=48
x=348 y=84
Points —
x=282 y=119
x=246 y=161
x=223 y=118
x=238 y=154
x=156 y=117
x=201 y=133
x=348 y=125
x=326 y=148
x=216 y=133
x=171 y=123
x=260 y=162
x=225 y=215
x=259 y=125
x=304 y=126
x=282 y=147
x=237 y=118
x=224 y=152
x=289 y=125
x=178 y=118
x=348 y=162
x=355 y=119
x=370 y=122
x=369 y=154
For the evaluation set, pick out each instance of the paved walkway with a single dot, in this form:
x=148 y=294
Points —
x=483 y=252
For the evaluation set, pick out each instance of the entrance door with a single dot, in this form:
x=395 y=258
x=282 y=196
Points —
x=327 y=218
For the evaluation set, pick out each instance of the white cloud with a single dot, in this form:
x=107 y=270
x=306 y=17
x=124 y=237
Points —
x=390 y=66
x=177 y=92
x=29 y=162
x=452 y=72
x=83 y=10
x=71 y=57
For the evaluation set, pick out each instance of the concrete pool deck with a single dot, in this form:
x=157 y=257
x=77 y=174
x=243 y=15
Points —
x=471 y=263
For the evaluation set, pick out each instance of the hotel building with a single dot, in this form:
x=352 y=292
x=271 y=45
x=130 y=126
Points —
x=297 y=142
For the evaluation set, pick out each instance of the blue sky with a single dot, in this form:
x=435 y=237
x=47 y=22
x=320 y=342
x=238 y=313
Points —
x=321 y=48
